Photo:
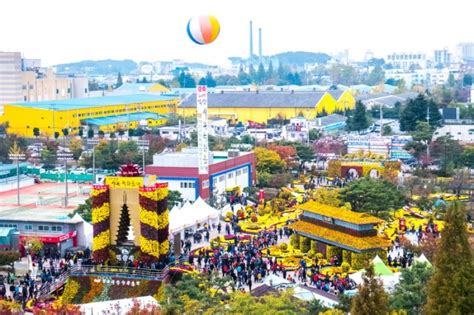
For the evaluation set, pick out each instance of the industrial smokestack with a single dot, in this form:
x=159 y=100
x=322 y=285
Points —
x=251 y=41
x=260 y=43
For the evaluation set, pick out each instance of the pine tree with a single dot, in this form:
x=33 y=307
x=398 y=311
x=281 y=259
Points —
x=119 y=81
x=451 y=289
x=270 y=73
x=358 y=121
x=260 y=74
x=252 y=74
x=371 y=298
x=124 y=226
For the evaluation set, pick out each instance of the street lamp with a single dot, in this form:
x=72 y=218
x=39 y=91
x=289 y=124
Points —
x=16 y=155
x=65 y=156
x=93 y=142
x=143 y=146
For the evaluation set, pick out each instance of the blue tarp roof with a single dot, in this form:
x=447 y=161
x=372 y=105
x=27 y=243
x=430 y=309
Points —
x=110 y=120
x=79 y=103
x=6 y=231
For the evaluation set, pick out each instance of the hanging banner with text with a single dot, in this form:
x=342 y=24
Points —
x=202 y=131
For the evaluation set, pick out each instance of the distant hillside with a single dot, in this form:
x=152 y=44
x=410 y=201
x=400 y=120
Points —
x=98 y=66
x=299 y=58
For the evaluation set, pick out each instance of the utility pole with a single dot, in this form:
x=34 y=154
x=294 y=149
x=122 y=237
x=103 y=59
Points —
x=428 y=120
x=381 y=120
x=143 y=146
x=16 y=155
x=65 y=156
x=94 y=143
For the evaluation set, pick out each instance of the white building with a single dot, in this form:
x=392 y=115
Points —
x=173 y=132
x=10 y=77
x=462 y=133
x=407 y=60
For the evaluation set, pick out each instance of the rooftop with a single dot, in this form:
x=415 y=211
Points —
x=341 y=239
x=80 y=103
x=262 y=99
x=339 y=213
x=110 y=120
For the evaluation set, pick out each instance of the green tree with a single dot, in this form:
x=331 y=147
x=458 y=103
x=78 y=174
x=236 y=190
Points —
x=376 y=76
x=371 y=298
x=417 y=110
x=304 y=153
x=270 y=71
x=451 y=287
x=451 y=80
x=410 y=292
x=101 y=134
x=75 y=146
x=468 y=156
x=56 y=135
x=243 y=77
x=80 y=133
x=252 y=73
x=48 y=158
x=449 y=152
x=112 y=135
x=119 y=81
x=36 y=132
x=387 y=130
x=422 y=132
x=358 y=120
x=84 y=210
x=65 y=132
x=174 y=198
x=314 y=134
x=90 y=133
x=128 y=152
x=467 y=80
x=375 y=196
x=261 y=74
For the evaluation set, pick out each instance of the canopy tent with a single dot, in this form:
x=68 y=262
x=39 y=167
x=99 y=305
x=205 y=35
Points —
x=307 y=294
x=380 y=268
x=192 y=214
x=277 y=282
x=123 y=305
x=423 y=259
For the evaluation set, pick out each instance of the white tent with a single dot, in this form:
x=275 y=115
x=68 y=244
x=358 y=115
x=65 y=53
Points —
x=192 y=214
x=85 y=232
x=110 y=307
x=302 y=293
x=277 y=282
x=423 y=259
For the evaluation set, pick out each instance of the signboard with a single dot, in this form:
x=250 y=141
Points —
x=127 y=182
x=51 y=238
x=202 y=131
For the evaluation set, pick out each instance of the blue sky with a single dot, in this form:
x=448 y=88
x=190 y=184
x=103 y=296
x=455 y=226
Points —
x=61 y=31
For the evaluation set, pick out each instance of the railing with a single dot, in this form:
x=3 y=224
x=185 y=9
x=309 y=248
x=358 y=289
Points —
x=117 y=272
x=120 y=272
x=57 y=283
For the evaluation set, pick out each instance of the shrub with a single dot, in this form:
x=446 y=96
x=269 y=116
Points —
x=305 y=244
x=345 y=267
x=295 y=241
x=283 y=247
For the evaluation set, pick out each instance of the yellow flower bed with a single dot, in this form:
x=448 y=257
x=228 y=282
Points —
x=150 y=247
x=72 y=288
x=96 y=192
x=101 y=241
x=164 y=247
x=163 y=220
x=149 y=194
x=161 y=193
x=100 y=214
x=339 y=213
x=149 y=217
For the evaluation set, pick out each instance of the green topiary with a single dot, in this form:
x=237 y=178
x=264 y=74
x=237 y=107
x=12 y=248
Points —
x=305 y=244
x=295 y=241
x=283 y=247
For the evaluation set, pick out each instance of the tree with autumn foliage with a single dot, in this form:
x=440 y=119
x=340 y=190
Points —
x=286 y=153
x=268 y=161
x=451 y=289
x=371 y=298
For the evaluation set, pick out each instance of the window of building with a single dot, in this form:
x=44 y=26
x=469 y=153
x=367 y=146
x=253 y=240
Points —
x=56 y=228
x=205 y=184
x=221 y=178
x=24 y=87
x=43 y=227
x=244 y=171
x=214 y=181
x=230 y=175
x=238 y=172
x=57 y=91
x=28 y=227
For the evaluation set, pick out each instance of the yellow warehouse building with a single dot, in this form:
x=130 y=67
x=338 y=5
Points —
x=108 y=113
x=260 y=106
